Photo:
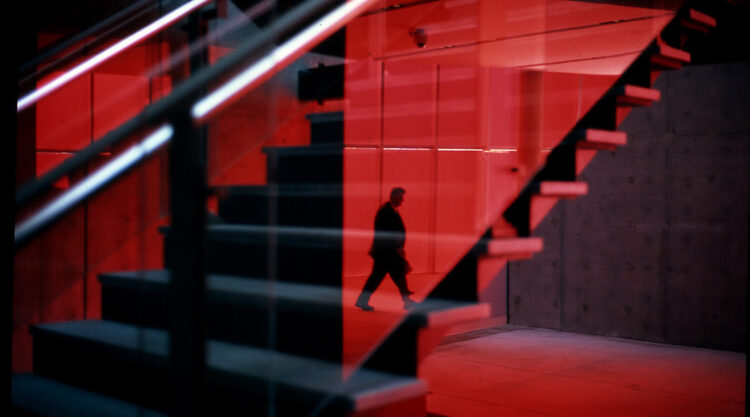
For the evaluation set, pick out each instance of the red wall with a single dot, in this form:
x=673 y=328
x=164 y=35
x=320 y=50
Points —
x=56 y=274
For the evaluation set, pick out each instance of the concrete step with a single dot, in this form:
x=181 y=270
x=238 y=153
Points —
x=131 y=364
x=698 y=21
x=667 y=57
x=302 y=254
x=238 y=310
x=514 y=248
x=633 y=95
x=601 y=139
x=561 y=189
x=32 y=395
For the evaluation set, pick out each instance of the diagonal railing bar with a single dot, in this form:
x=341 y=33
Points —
x=109 y=53
x=182 y=97
x=93 y=183
x=100 y=30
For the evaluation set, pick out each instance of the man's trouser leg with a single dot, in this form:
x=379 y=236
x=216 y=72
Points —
x=372 y=283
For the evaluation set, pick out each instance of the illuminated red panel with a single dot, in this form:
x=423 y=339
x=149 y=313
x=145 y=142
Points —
x=136 y=60
x=123 y=227
x=503 y=108
x=63 y=119
x=458 y=107
x=362 y=198
x=48 y=160
x=409 y=104
x=592 y=88
x=459 y=204
x=562 y=105
x=47 y=283
x=446 y=23
x=414 y=170
x=117 y=98
x=363 y=98
x=160 y=87
x=502 y=183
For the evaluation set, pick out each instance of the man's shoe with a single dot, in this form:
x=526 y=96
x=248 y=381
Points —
x=364 y=306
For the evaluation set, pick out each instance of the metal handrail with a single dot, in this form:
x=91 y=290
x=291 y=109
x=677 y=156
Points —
x=109 y=53
x=99 y=30
x=187 y=96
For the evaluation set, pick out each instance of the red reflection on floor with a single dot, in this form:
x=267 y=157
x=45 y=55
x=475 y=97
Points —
x=523 y=372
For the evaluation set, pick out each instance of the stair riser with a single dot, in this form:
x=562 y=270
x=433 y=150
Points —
x=312 y=167
x=299 y=327
x=292 y=210
x=311 y=256
x=144 y=380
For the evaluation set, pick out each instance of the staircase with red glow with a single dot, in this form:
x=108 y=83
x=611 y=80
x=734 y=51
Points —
x=291 y=349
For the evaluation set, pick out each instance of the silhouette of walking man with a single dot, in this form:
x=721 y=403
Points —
x=387 y=252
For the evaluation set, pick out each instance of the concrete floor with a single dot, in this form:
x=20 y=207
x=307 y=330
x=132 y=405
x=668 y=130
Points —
x=524 y=372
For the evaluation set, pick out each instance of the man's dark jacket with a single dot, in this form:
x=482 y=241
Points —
x=390 y=233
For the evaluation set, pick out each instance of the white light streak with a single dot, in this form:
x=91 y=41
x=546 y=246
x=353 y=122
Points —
x=288 y=51
x=110 y=52
x=94 y=181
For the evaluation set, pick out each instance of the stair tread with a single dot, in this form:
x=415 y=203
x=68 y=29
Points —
x=366 y=389
x=47 y=397
x=300 y=234
x=239 y=287
x=510 y=246
x=673 y=53
x=562 y=189
x=701 y=18
x=637 y=95
x=596 y=138
x=243 y=289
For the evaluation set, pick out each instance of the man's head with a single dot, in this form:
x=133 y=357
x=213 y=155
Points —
x=397 y=196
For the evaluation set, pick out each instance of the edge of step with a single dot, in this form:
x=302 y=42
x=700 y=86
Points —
x=47 y=397
x=366 y=390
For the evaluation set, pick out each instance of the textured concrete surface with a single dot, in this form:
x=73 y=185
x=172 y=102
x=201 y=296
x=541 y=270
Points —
x=524 y=372
x=658 y=249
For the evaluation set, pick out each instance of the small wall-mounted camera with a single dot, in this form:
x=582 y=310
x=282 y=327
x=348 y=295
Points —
x=420 y=37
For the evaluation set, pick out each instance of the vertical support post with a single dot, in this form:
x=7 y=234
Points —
x=187 y=269
x=188 y=191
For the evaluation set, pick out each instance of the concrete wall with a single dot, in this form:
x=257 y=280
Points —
x=658 y=250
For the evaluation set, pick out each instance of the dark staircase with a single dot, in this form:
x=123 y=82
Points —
x=274 y=313
x=273 y=316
